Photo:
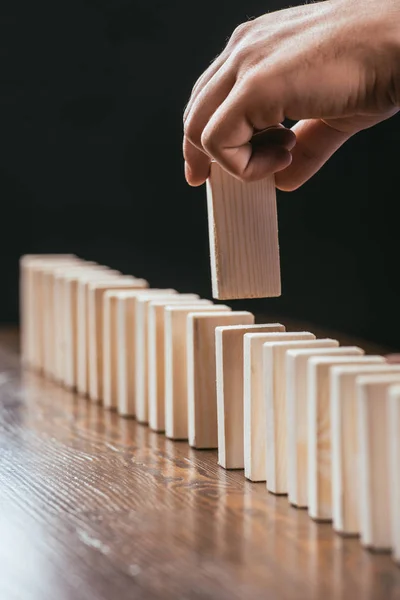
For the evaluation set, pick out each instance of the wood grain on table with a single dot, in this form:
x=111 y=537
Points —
x=97 y=507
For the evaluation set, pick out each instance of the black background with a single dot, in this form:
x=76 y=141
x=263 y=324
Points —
x=92 y=94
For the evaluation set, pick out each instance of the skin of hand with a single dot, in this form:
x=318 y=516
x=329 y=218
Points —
x=332 y=66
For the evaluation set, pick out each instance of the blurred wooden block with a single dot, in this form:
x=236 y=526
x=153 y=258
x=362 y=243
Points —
x=28 y=302
x=297 y=414
x=394 y=465
x=374 y=463
x=202 y=392
x=255 y=416
x=345 y=442
x=319 y=429
x=393 y=358
x=141 y=353
x=110 y=349
x=274 y=375
x=243 y=234
x=176 y=385
x=230 y=388
x=156 y=356
x=96 y=291
x=126 y=343
x=83 y=363
x=69 y=287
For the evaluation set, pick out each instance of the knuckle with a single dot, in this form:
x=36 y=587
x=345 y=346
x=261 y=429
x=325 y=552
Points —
x=240 y=32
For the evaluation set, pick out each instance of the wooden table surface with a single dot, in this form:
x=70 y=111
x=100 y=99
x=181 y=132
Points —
x=97 y=507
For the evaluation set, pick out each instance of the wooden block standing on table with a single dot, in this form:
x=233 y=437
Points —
x=156 y=357
x=58 y=334
x=201 y=376
x=27 y=301
x=83 y=363
x=39 y=313
x=96 y=293
x=176 y=385
x=243 y=234
x=255 y=407
x=110 y=349
x=274 y=375
x=345 y=442
x=230 y=386
x=297 y=415
x=70 y=294
x=126 y=343
x=374 y=463
x=141 y=355
x=394 y=466
x=319 y=429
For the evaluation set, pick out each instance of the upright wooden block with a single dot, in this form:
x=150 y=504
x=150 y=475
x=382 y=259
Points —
x=274 y=374
x=394 y=465
x=176 y=385
x=141 y=355
x=126 y=343
x=345 y=442
x=29 y=302
x=96 y=293
x=319 y=430
x=230 y=389
x=255 y=407
x=156 y=357
x=83 y=362
x=374 y=464
x=297 y=411
x=70 y=293
x=110 y=349
x=243 y=233
x=201 y=375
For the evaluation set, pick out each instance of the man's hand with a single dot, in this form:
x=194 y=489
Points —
x=333 y=66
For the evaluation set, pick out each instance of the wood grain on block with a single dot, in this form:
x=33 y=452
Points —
x=374 y=465
x=176 y=383
x=110 y=350
x=394 y=467
x=297 y=412
x=156 y=357
x=141 y=354
x=96 y=293
x=345 y=442
x=83 y=363
x=243 y=234
x=40 y=315
x=28 y=301
x=319 y=429
x=70 y=292
x=126 y=342
x=274 y=375
x=255 y=417
x=56 y=340
x=230 y=390
x=201 y=375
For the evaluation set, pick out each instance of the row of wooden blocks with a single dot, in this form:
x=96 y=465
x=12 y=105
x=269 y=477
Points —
x=316 y=421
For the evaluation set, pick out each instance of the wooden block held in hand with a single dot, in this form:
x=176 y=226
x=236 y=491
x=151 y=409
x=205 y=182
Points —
x=394 y=466
x=243 y=234
x=345 y=442
x=156 y=356
x=230 y=388
x=374 y=462
x=319 y=429
x=176 y=384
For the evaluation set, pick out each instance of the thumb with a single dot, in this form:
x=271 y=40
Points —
x=316 y=142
